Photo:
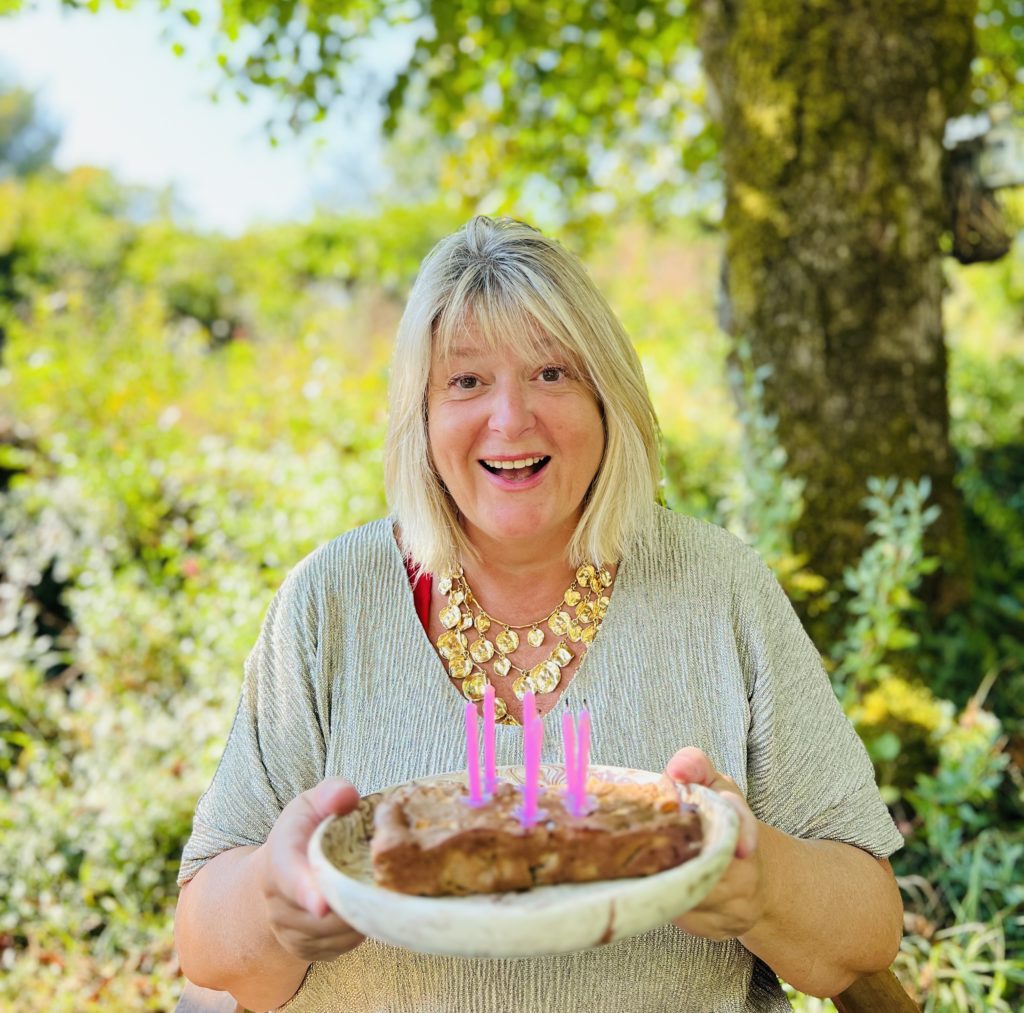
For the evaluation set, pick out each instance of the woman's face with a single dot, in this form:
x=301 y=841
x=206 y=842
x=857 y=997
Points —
x=517 y=442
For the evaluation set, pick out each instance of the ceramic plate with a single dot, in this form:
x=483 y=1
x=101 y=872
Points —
x=537 y=922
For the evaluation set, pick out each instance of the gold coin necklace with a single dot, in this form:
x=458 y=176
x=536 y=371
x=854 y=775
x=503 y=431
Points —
x=575 y=620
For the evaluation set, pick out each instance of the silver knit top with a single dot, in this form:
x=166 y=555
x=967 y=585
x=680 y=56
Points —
x=700 y=647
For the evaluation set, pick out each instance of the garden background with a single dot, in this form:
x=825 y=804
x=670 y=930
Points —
x=184 y=415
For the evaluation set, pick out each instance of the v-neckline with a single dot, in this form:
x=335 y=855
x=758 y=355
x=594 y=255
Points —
x=432 y=660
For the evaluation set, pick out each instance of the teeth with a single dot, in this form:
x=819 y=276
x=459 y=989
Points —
x=523 y=462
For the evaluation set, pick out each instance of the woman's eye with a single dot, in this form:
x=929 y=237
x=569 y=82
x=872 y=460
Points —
x=464 y=382
x=552 y=373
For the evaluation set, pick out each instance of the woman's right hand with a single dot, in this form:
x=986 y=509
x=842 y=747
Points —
x=299 y=916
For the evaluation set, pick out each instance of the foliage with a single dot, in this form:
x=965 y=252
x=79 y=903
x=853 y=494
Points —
x=591 y=108
x=27 y=138
x=882 y=583
x=1000 y=28
x=584 y=106
x=988 y=422
x=957 y=793
x=765 y=503
x=967 y=875
x=161 y=473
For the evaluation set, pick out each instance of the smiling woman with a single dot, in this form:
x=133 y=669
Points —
x=525 y=542
x=501 y=320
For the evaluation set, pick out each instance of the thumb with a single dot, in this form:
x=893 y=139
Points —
x=692 y=766
x=332 y=796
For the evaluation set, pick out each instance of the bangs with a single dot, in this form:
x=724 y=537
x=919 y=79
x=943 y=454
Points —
x=499 y=319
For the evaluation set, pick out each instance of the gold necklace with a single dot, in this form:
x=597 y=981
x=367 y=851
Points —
x=575 y=620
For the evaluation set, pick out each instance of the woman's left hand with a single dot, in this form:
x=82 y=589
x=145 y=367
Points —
x=737 y=901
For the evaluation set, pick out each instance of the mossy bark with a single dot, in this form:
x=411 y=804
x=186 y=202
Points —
x=832 y=115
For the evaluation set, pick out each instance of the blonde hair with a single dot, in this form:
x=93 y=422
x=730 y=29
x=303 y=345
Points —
x=513 y=284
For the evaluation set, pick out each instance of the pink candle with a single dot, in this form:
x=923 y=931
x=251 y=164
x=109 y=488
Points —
x=532 y=733
x=490 y=771
x=529 y=708
x=472 y=756
x=582 y=759
x=569 y=752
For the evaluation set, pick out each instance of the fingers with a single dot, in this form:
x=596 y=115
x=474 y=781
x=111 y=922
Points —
x=733 y=906
x=746 y=843
x=312 y=938
x=295 y=827
x=332 y=796
x=692 y=766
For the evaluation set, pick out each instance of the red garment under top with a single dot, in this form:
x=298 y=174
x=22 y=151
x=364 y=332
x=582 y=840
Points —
x=421 y=594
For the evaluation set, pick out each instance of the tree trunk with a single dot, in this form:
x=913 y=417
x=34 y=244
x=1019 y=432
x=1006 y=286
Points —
x=832 y=115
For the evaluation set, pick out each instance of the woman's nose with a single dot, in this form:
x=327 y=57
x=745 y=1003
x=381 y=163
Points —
x=511 y=410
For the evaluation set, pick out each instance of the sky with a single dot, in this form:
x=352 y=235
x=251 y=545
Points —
x=126 y=102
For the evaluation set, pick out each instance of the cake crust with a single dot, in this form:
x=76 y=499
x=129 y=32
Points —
x=429 y=841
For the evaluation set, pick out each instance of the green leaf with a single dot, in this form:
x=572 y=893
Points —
x=886 y=747
x=901 y=639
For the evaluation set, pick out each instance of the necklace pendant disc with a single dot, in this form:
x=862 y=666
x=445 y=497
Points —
x=561 y=655
x=589 y=632
x=460 y=666
x=605 y=577
x=482 y=622
x=500 y=710
x=519 y=687
x=451 y=616
x=559 y=623
x=545 y=677
x=507 y=641
x=575 y=634
x=535 y=636
x=448 y=644
x=585 y=574
x=481 y=650
x=502 y=666
x=444 y=585
x=475 y=687
x=572 y=597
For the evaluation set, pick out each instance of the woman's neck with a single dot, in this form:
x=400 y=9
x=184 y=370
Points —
x=521 y=599
x=518 y=583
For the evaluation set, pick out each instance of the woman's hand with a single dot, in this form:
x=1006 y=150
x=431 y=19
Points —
x=299 y=917
x=737 y=901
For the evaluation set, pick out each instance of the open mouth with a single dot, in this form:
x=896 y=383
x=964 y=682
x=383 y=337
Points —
x=518 y=470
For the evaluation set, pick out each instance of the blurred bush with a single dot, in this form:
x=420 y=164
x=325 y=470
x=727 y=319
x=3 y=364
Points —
x=183 y=417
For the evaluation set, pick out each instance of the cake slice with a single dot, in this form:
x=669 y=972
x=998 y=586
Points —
x=427 y=840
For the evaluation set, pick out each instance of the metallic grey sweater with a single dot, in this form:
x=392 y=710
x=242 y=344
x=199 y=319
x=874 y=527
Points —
x=700 y=647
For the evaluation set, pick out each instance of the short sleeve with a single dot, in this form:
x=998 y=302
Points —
x=277 y=745
x=808 y=773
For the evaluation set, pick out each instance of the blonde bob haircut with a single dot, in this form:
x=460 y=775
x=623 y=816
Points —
x=514 y=286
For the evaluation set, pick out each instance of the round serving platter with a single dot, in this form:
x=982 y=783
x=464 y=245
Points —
x=538 y=922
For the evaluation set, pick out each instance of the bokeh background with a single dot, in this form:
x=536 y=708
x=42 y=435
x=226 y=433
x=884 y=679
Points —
x=807 y=215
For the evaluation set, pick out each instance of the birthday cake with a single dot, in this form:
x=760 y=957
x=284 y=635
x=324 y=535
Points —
x=429 y=840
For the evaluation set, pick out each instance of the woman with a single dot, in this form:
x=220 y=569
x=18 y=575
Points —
x=522 y=448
